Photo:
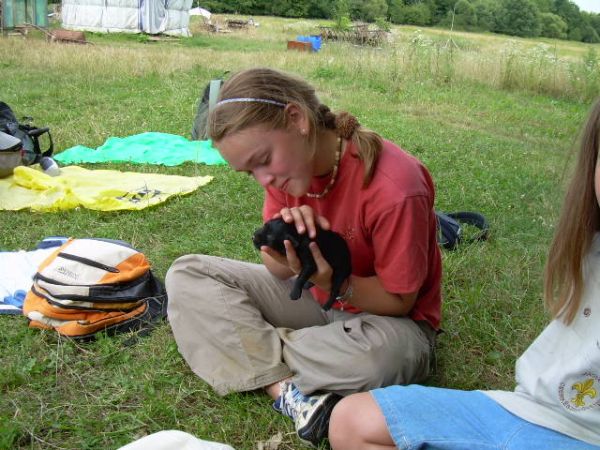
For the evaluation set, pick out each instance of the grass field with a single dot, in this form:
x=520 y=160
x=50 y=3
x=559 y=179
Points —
x=493 y=118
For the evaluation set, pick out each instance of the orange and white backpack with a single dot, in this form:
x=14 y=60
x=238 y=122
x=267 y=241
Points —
x=91 y=285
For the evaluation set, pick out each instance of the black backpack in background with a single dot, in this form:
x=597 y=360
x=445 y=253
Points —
x=29 y=135
x=205 y=104
x=450 y=228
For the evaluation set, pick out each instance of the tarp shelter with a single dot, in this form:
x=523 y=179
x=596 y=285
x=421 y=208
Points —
x=128 y=16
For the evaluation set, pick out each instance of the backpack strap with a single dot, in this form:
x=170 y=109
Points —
x=448 y=231
x=34 y=133
x=213 y=93
x=475 y=219
x=206 y=103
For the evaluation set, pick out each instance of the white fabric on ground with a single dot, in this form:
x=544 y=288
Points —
x=174 y=440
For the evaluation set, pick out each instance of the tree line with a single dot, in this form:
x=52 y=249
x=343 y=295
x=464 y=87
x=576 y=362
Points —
x=560 y=19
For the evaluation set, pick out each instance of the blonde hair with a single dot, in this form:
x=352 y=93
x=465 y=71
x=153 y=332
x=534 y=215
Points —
x=280 y=88
x=579 y=221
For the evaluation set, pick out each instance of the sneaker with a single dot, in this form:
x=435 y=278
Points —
x=310 y=413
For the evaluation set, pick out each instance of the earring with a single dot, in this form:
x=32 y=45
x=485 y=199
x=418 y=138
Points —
x=303 y=132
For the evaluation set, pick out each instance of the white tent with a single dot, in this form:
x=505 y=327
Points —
x=200 y=12
x=128 y=16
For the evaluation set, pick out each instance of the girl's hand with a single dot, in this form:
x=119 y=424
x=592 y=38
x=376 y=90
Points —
x=321 y=278
x=305 y=221
x=304 y=218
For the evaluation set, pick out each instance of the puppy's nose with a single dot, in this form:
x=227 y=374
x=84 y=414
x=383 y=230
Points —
x=255 y=240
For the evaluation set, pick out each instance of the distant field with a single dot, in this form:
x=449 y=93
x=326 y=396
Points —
x=493 y=118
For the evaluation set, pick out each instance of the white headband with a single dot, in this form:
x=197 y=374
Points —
x=250 y=100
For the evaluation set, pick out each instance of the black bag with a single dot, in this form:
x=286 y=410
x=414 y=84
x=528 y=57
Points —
x=450 y=230
x=29 y=135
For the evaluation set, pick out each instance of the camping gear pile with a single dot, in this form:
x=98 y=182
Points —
x=88 y=286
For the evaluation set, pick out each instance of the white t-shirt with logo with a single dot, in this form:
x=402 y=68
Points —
x=558 y=376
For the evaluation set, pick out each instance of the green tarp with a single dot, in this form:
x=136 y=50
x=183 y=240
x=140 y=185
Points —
x=145 y=148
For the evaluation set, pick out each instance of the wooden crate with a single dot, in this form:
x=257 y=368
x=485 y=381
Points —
x=298 y=45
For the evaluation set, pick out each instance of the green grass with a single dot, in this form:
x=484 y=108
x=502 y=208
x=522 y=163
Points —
x=499 y=149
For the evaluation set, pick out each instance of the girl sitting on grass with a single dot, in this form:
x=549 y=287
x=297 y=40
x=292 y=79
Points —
x=234 y=322
x=556 y=404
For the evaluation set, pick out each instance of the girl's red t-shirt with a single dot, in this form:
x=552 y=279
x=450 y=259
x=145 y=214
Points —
x=390 y=225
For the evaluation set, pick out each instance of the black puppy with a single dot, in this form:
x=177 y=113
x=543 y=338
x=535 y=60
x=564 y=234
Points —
x=332 y=246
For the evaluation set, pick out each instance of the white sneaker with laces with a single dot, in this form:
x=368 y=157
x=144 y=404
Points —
x=310 y=413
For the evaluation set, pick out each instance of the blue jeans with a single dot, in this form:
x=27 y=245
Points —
x=420 y=417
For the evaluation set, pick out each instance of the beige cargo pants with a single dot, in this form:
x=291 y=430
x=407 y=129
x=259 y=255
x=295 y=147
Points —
x=237 y=328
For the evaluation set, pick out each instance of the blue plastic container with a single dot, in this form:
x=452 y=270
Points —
x=314 y=40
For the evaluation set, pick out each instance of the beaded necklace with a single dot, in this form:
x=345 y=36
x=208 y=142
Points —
x=334 y=172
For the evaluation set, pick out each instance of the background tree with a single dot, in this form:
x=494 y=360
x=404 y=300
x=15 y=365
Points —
x=396 y=11
x=588 y=32
x=553 y=26
x=374 y=9
x=418 y=13
x=341 y=8
x=595 y=22
x=220 y=6
x=571 y=14
x=462 y=16
x=341 y=14
x=441 y=9
x=320 y=9
x=368 y=10
x=486 y=12
x=518 y=18
x=289 y=8
x=544 y=5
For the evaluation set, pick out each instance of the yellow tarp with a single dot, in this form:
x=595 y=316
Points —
x=102 y=190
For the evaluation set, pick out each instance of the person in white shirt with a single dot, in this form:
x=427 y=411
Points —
x=556 y=402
